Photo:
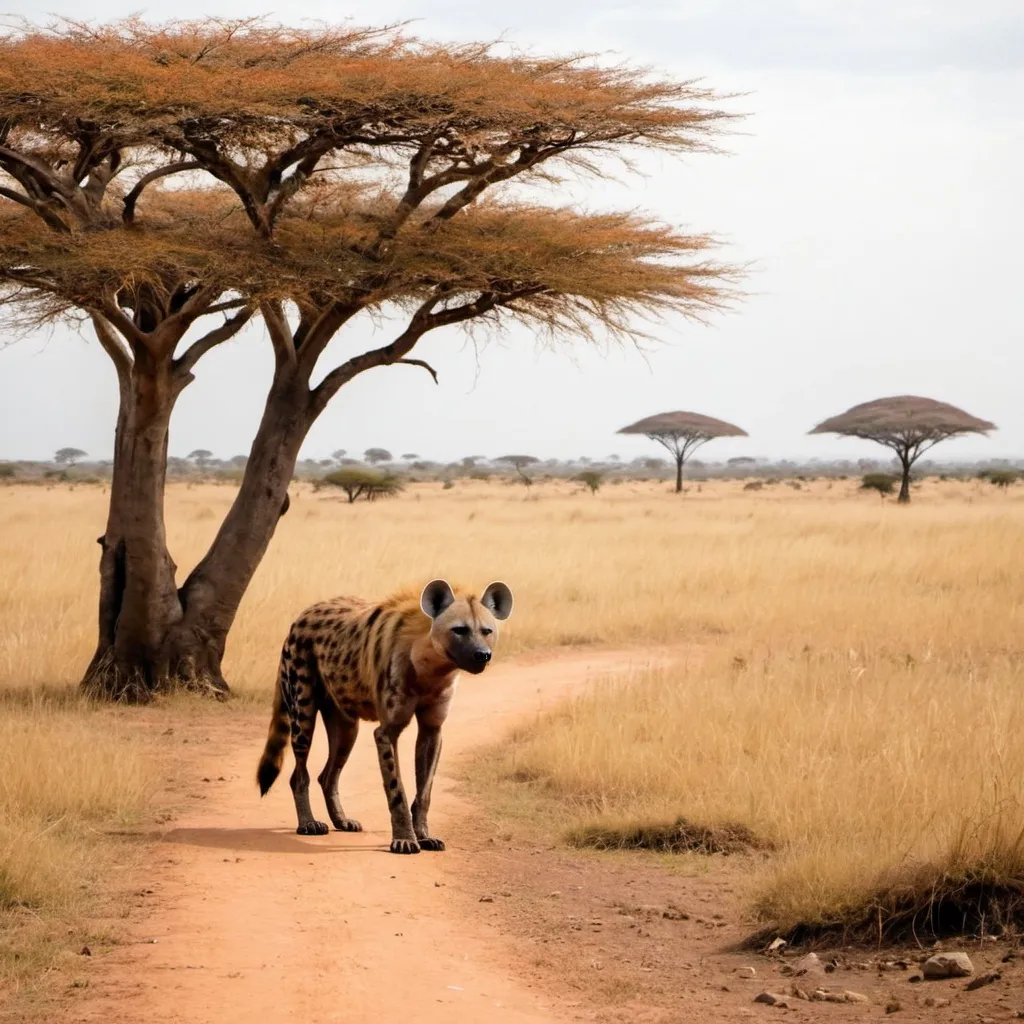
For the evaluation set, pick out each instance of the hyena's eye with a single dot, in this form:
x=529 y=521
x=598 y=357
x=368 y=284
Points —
x=460 y=630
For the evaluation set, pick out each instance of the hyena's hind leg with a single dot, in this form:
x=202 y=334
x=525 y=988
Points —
x=303 y=705
x=341 y=735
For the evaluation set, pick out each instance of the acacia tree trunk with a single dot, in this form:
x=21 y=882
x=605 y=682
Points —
x=211 y=595
x=679 y=473
x=904 y=495
x=153 y=635
x=138 y=598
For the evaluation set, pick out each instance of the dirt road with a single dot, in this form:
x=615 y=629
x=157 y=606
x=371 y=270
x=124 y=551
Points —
x=248 y=922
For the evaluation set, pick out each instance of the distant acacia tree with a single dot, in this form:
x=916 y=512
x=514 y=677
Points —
x=339 y=454
x=239 y=461
x=908 y=425
x=200 y=456
x=410 y=457
x=519 y=464
x=374 y=456
x=170 y=183
x=68 y=456
x=682 y=433
x=358 y=482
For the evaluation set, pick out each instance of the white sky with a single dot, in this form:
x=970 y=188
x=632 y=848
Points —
x=875 y=191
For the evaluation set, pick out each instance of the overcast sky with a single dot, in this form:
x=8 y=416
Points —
x=875 y=191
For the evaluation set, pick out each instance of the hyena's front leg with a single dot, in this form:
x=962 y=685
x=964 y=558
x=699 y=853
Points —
x=428 y=753
x=403 y=838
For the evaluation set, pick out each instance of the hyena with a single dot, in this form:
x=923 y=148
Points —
x=349 y=659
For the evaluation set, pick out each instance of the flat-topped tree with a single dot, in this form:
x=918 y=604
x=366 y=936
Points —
x=682 y=433
x=907 y=424
x=182 y=179
x=68 y=456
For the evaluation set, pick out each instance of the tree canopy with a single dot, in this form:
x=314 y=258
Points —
x=907 y=424
x=169 y=183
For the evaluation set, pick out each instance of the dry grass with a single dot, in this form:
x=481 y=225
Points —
x=855 y=700
x=630 y=565
x=69 y=774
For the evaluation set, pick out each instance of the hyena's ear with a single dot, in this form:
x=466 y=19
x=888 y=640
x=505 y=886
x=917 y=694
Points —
x=436 y=596
x=498 y=598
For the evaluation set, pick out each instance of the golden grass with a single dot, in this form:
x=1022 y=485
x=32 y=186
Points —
x=631 y=565
x=854 y=699
x=69 y=774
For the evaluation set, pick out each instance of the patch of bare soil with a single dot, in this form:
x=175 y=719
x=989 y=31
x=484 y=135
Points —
x=643 y=938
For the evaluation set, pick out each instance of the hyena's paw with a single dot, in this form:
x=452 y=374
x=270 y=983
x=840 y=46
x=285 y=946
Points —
x=433 y=845
x=405 y=846
x=347 y=825
x=312 y=828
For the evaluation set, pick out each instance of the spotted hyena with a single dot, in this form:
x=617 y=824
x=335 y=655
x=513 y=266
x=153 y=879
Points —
x=349 y=659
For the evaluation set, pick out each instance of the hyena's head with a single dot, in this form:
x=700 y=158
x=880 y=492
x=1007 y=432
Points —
x=465 y=629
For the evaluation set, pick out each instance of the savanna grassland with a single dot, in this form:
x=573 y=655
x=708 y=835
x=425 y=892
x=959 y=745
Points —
x=850 y=690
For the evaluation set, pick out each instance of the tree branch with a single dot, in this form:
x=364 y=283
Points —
x=128 y=214
x=280 y=333
x=423 y=320
x=419 y=362
x=184 y=363
x=113 y=346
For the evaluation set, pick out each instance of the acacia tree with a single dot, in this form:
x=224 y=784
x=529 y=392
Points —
x=682 y=433
x=68 y=456
x=519 y=464
x=906 y=424
x=166 y=184
x=375 y=456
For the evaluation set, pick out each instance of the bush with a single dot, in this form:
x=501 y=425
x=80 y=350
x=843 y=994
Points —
x=7 y=471
x=358 y=482
x=753 y=485
x=591 y=479
x=884 y=483
x=1002 y=477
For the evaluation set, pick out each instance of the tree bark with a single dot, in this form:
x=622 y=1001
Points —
x=679 y=474
x=213 y=591
x=154 y=636
x=904 y=495
x=138 y=597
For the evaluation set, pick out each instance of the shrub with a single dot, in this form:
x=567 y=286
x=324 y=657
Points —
x=1002 y=477
x=7 y=471
x=591 y=479
x=753 y=485
x=447 y=484
x=358 y=482
x=884 y=483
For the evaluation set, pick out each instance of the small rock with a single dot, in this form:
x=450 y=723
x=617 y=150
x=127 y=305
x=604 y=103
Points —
x=747 y=972
x=810 y=962
x=776 y=945
x=486 y=899
x=893 y=1006
x=85 y=951
x=915 y=977
x=1010 y=957
x=772 y=999
x=855 y=997
x=948 y=965
x=554 y=895
x=982 y=980
x=936 y=1001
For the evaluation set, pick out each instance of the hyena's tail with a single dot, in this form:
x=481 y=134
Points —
x=280 y=727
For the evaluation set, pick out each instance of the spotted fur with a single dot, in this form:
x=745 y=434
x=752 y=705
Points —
x=350 y=660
